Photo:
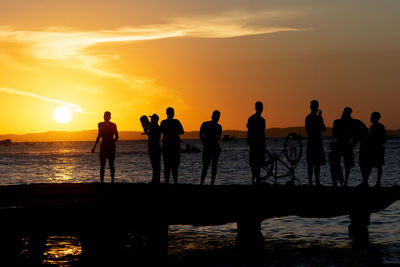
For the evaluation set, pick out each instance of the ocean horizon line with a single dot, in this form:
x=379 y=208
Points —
x=90 y=135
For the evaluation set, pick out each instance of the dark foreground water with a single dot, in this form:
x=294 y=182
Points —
x=289 y=241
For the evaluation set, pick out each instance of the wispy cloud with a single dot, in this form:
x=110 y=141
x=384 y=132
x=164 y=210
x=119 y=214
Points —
x=58 y=43
x=68 y=47
x=17 y=92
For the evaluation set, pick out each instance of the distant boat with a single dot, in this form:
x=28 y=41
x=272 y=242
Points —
x=6 y=142
x=190 y=149
x=228 y=138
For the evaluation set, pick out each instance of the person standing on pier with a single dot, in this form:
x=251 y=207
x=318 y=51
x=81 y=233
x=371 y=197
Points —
x=256 y=141
x=334 y=164
x=109 y=135
x=315 y=149
x=171 y=129
x=377 y=138
x=343 y=131
x=154 y=149
x=361 y=135
x=210 y=134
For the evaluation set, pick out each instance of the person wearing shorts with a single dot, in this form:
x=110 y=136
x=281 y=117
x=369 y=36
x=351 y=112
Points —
x=314 y=124
x=344 y=132
x=256 y=141
x=108 y=134
x=210 y=134
x=171 y=129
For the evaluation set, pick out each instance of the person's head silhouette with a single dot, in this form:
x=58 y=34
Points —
x=154 y=118
x=314 y=105
x=375 y=117
x=170 y=113
x=107 y=116
x=259 y=107
x=215 y=116
x=347 y=113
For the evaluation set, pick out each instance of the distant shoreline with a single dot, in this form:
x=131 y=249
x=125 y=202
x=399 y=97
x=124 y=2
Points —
x=90 y=135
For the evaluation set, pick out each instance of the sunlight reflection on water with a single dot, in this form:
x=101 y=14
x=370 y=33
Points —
x=62 y=250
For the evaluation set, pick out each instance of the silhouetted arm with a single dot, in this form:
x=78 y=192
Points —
x=147 y=130
x=97 y=140
x=180 y=128
x=308 y=126
x=334 y=129
x=116 y=134
x=384 y=135
x=202 y=133
x=248 y=131
x=323 y=127
x=219 y=133
x=162 y=129
x=264 y=128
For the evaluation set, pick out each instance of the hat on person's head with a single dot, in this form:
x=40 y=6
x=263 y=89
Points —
x=155 y=116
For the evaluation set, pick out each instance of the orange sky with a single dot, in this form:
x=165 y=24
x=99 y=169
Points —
x=139 y=58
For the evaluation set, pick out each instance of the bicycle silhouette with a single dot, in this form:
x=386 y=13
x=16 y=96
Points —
x=274 y=166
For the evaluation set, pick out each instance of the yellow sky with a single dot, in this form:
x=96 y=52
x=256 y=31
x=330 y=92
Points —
x=142 y=58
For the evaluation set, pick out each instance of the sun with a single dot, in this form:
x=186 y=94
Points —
x=63 y=114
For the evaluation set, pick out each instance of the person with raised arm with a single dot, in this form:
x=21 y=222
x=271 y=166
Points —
x=153 y=131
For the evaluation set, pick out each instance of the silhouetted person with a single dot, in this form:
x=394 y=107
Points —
x=334 y=164
x=344 y=133
x=109 y=135
x=315 y=149
x=377 y=138
x=171 y=129
x=361 y=134
x=210 y=134
x=154 y=148
x=256 y=141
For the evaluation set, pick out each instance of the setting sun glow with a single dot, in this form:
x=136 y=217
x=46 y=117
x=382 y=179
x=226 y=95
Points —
x=195 y=56
x=62 y=114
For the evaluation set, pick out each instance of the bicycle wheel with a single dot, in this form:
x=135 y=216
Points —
x=293 y=148
x=267 y=167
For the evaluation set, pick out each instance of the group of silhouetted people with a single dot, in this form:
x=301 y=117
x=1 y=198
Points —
x=348 y=132
x=170 y=130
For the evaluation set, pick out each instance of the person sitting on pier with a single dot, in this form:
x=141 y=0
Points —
x=256 y=141
x=210 y=134
x=154 y=149
x=334 y=164
x=315 y=150
x=171 y=129
x=343 y=132
x=109 y=135
x=377 y=138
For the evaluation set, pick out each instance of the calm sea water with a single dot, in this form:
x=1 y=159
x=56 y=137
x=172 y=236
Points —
x=288 y=240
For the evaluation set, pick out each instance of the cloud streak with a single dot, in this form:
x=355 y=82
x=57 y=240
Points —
x=17 y=92
x=57 y=43
x=68 y=47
